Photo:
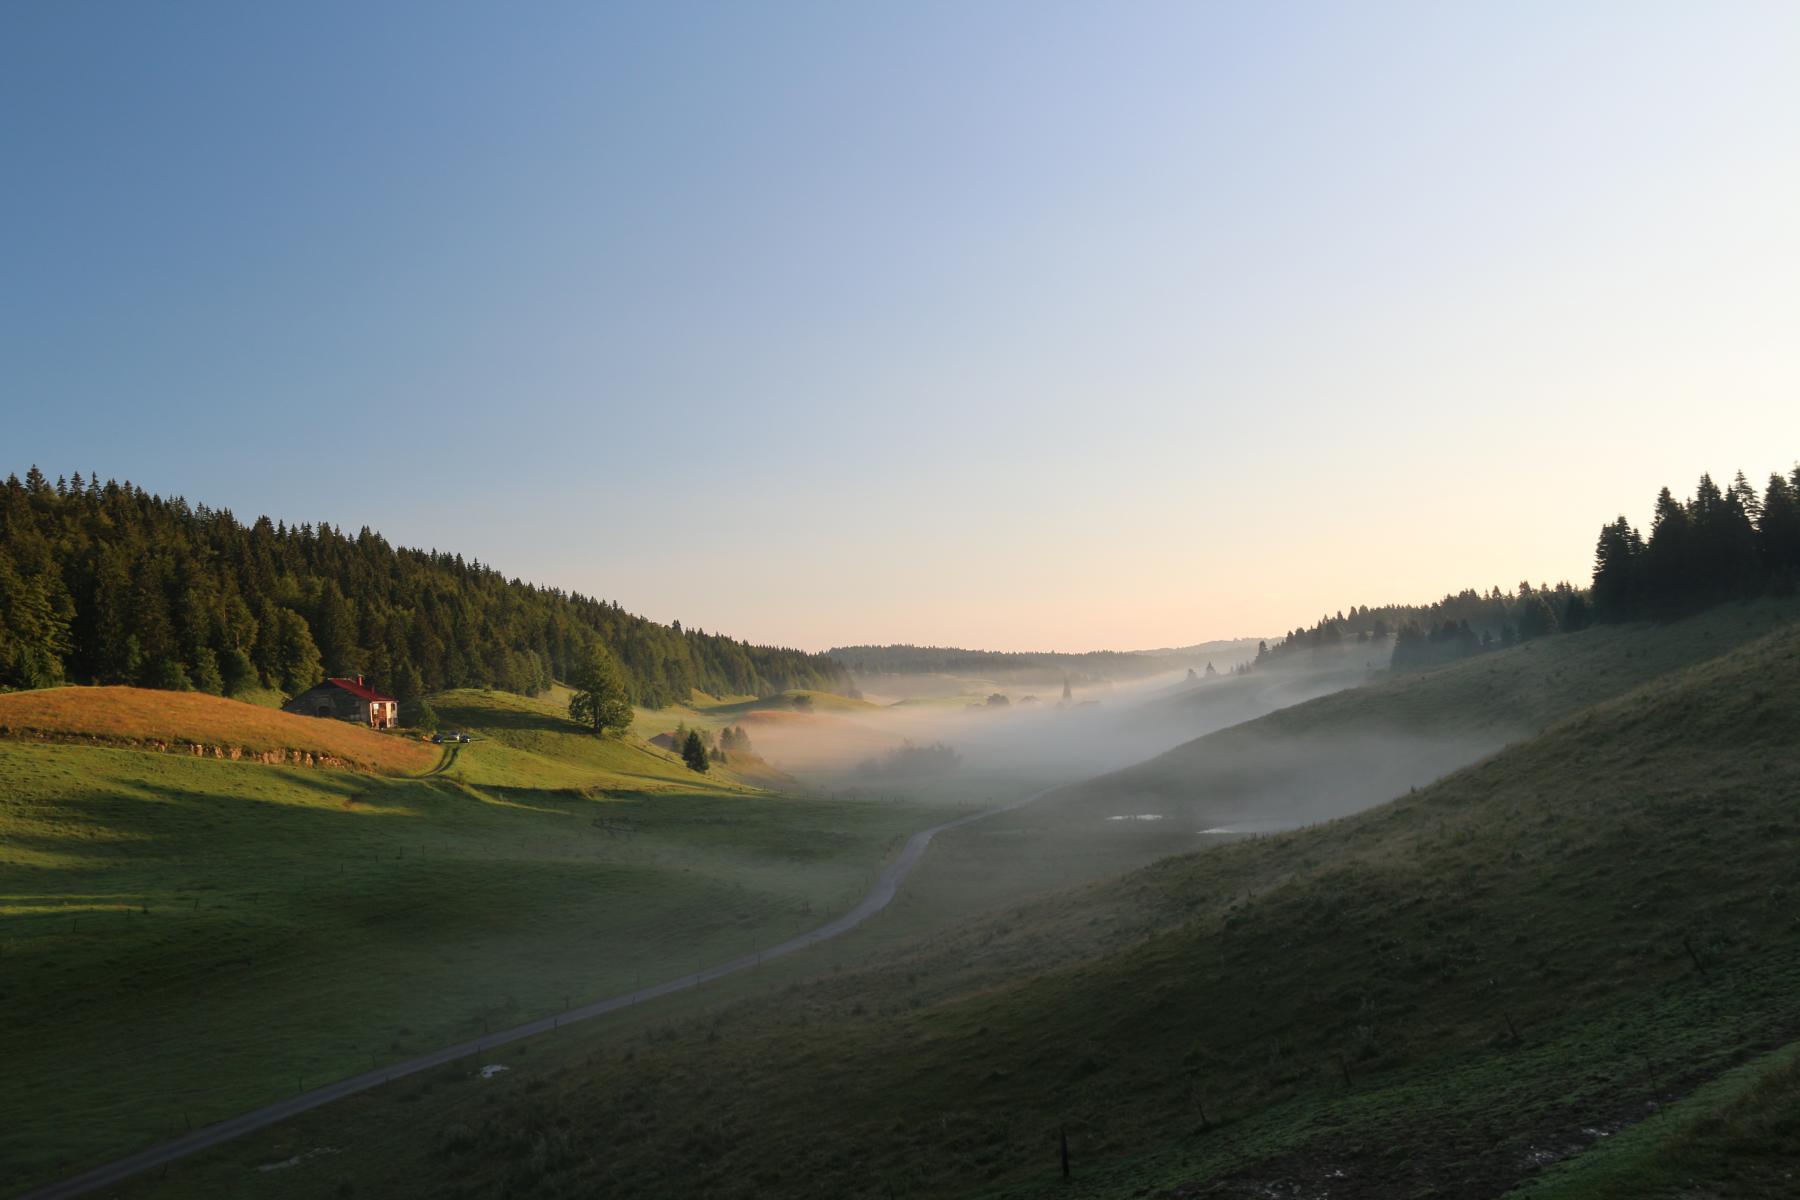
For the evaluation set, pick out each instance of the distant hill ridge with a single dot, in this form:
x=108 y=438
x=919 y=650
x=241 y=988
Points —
x=106 y=583
x=904 y=659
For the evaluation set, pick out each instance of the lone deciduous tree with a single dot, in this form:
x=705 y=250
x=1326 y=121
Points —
x=600 y=699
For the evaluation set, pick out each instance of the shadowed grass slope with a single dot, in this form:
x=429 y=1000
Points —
x=1343 y=751
x=1438 y=996
x=1332 y=755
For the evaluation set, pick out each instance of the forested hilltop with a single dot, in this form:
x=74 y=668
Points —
x=105 y=583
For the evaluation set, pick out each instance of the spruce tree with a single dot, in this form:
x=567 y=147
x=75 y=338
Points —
x=297 y=655
x=205 y=674
x=334 y=631
x=1668 y=557
x=1779 y=530
x=1617 y=567
x=693 y=752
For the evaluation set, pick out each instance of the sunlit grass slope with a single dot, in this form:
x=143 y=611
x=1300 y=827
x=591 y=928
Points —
x=180 y=720
x=183 y=938
x=1438 y=996
x=533 y=743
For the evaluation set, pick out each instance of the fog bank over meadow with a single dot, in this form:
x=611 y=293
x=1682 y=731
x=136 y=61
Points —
x=1035 y=733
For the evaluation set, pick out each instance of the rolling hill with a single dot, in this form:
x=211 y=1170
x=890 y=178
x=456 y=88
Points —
x=1445 y=994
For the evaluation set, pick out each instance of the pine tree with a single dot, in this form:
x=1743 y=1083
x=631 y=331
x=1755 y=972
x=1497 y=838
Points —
x=1535 y=617
x=1779 y=532
x=408 y=686
x=1667 y=558
x=420 y=715
x=205 y=674
x=693 y=752
x=34 y=635
x=297 y=662
x=334 y=630
x=1618 y=568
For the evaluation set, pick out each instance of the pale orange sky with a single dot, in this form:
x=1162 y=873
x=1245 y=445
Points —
x=1009 y=325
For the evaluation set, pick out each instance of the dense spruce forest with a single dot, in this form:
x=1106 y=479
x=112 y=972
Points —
x=105 y=583
x=1720 y=544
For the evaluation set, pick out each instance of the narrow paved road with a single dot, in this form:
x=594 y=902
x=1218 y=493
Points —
x=878 y=898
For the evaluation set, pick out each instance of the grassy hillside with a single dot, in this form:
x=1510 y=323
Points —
x=183 y=938
x=181 y=720
x=1467 y=708
x=1337 y=753
x=533 y=743
x=1438 y=996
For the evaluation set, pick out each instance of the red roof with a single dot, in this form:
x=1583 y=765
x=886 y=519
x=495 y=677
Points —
x=360 y=690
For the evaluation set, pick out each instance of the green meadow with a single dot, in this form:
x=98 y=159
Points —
x=205 y=936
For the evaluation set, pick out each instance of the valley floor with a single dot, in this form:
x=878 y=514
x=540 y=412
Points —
x=1520 y=976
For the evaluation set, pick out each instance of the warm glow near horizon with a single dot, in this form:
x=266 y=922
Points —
x=1021 y=328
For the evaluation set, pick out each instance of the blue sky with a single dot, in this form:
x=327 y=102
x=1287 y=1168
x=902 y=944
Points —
x=997 y=324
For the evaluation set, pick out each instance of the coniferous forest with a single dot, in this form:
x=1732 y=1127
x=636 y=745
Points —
x=1721 y=544
x=105 y=583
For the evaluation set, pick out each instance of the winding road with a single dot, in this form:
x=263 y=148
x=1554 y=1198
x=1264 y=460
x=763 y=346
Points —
x=887 y=884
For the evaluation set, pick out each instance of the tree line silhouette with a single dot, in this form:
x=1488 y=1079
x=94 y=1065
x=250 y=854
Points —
x=1720 y=544
x=105 y=583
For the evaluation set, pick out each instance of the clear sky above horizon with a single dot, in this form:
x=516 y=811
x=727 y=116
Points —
x=1013 y=325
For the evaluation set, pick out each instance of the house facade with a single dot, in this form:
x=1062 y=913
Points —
x=347 y=700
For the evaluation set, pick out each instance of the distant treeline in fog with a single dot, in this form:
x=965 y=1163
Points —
x=912 y=760
x=1089 y=667
x=1461 y=624
x=105 y=583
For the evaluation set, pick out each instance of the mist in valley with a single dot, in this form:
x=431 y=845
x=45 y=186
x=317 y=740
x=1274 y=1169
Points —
x=1157 y=762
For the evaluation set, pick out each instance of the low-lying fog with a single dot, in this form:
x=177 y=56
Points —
x=1127 y=755
x=1100 y=728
